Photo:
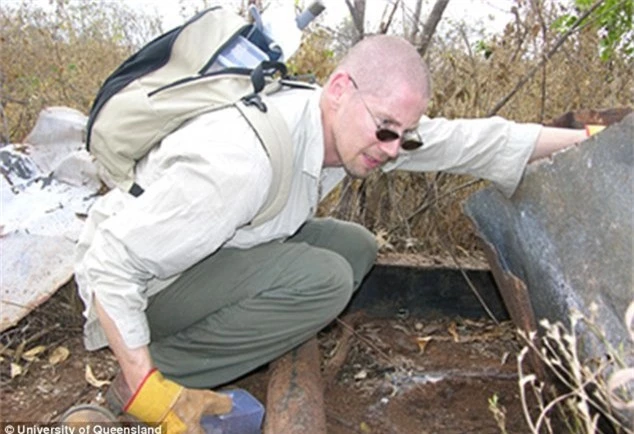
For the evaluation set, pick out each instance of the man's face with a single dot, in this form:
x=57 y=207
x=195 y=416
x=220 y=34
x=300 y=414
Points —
x=361 y=120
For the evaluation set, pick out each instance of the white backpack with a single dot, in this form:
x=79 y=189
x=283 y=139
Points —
x=174 y=78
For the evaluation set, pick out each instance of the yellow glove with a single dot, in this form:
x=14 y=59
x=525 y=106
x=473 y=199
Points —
x=593 y=129
x=178 y=409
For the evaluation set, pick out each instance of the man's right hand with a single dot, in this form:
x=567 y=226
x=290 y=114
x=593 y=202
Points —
x=161 y=401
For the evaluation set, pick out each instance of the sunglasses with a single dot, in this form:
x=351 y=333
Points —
x=410 y=140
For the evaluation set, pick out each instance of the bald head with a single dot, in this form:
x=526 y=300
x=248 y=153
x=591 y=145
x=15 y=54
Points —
x=380 y=61
x=372 y=102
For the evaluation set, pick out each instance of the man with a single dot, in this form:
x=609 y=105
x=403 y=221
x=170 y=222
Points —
x=180 y=286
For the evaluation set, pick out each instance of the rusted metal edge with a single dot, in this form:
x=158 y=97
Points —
x=517 y=300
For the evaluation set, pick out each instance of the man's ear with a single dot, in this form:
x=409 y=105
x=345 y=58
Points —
x=336 y=87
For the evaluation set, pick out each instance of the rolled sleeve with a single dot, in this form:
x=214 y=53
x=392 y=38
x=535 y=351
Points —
x=492 y=148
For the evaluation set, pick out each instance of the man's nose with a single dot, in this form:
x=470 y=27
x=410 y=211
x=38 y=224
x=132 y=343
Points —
x=391 y=148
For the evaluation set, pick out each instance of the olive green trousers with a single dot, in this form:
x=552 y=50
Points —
x=238 y=309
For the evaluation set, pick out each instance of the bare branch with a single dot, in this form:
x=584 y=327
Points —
x=415 y=21
x=471 y=285
x=545 y=59
x=385 y=25
x=429 y=28
x=357 y=11
x=538 y=7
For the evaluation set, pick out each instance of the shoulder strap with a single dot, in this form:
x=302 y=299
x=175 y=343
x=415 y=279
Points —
x=276 y=139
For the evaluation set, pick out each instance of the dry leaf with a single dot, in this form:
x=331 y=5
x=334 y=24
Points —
x=505 y=357
x=58 y=355
x=361 y=375
x=364 y=427
x=15 y=370
x=422 y=343
x=32 y=354
x=92 y=380
x=382 y=238
x=473 y=323
x=453 y=331
x=19 y=350
x=401 y=328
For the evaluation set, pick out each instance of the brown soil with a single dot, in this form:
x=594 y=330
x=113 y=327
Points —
x=380 y=375
x=425 y=377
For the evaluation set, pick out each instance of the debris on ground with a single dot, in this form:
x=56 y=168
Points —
x=48 y=184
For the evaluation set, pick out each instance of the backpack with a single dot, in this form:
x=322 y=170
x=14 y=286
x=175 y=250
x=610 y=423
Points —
x=175 y=78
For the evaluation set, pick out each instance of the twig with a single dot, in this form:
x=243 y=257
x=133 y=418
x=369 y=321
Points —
x=366 y=341
x=466 y=277
x=546 y=58
x=538 y=11
x=384 y=27
x=41 y=333
x=437 y=199
x=343 y=421
x=426 y=205
x=339 y=358
x=461 y=373
x=564 y=363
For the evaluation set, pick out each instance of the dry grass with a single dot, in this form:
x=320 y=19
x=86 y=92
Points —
x=579 y=392
x=48 y=326
x=423 y=213
x=62 y=58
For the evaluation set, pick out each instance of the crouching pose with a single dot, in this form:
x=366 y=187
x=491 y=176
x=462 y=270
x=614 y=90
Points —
x=189 y=295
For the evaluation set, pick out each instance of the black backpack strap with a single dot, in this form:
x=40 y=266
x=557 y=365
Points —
x=259 y=75
x=263 y=70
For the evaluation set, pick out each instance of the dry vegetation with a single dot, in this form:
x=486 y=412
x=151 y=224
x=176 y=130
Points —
x=472 y=75
x=62 y=58
x=592 y=397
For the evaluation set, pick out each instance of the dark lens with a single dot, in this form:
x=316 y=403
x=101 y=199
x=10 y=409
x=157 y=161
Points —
x=410 y=145
x=411 y=140
x=385 y=135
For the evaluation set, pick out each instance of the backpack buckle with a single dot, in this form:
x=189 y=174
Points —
x=255 y=100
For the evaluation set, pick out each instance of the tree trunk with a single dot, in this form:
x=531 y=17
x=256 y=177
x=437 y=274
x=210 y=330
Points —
x=358 y=16
x=415 y=22
x=430 y=25
x=385 y=24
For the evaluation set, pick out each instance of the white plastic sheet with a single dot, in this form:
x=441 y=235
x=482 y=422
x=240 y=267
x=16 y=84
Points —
x=48 y=184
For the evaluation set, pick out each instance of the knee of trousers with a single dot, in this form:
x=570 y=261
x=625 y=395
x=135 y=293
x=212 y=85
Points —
x=366 y=245
x=330 y=281
x=362 y=250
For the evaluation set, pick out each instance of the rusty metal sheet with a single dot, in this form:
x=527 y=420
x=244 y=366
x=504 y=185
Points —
x=566 y=236
x=580 y=118
x=47 y=186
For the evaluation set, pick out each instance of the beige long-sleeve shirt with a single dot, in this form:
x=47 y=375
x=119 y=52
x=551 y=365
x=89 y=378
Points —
x=206 y=181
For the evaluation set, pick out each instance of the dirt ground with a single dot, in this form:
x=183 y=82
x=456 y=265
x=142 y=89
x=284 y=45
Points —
x=380 y=375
